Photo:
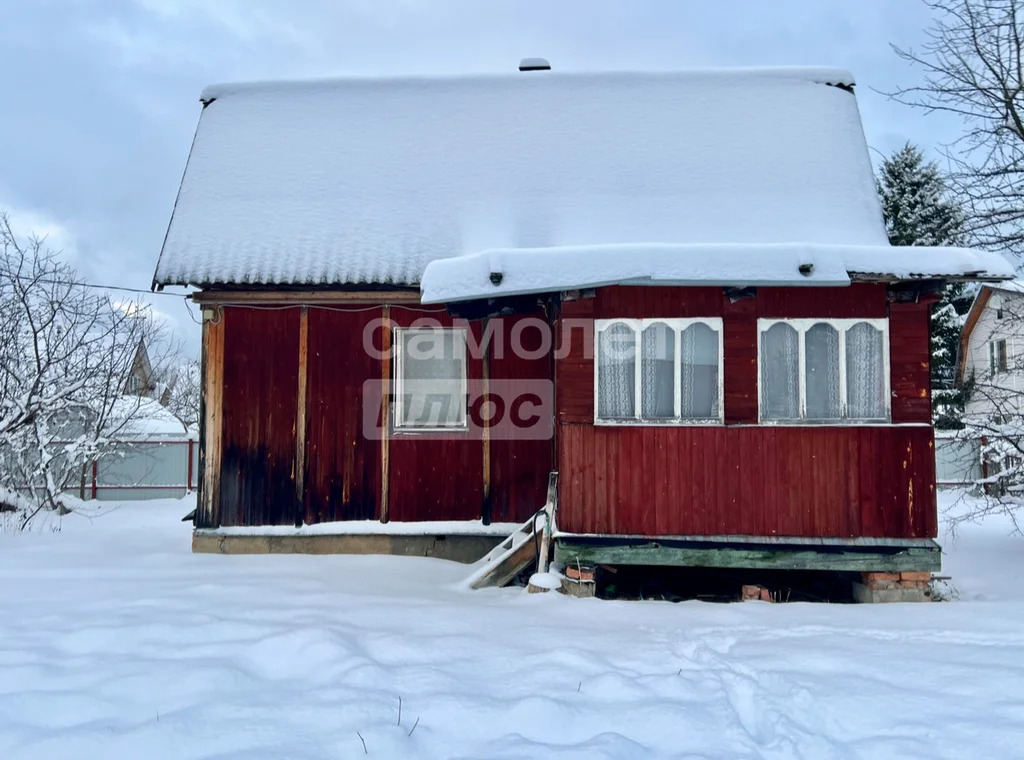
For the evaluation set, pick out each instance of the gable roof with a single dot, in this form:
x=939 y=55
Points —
x=358 y=181
x=981 y=301
x=366 y=181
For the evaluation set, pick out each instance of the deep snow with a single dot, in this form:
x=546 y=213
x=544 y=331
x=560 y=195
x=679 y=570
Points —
x=116 y=642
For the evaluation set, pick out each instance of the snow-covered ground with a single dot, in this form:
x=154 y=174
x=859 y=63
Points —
x=116 y=642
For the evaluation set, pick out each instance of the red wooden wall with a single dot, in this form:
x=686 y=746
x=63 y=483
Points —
x=343 y=468
x=742 y=478
x=431 y=477
x=257 y=482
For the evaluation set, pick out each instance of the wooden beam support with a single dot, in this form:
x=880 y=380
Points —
x=385 y=413
x=300 y=419
x=211 y=419
x=750 y=557
x=310 y=297
x=485 y=507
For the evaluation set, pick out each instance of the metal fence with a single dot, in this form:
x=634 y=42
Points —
x=151 y=469
x=957 y=460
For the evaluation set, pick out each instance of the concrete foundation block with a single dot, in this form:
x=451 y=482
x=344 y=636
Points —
x=894 y=593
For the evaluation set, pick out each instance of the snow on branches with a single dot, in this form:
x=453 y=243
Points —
x=65 y=350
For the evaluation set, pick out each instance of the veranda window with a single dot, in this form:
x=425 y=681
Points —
x=430 y=378
x=659 y=371
x=824 y=370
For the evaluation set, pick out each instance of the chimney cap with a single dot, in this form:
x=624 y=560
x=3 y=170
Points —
x=534 y=64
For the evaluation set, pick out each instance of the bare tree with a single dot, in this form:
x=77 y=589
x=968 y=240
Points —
x=183 y=381
x=973 y=67
x=64 y=353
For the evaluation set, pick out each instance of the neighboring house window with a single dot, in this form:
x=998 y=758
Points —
x=997 y=303
x=659 y=371
x=430 y=378
x=997 y=358
x=824 y=370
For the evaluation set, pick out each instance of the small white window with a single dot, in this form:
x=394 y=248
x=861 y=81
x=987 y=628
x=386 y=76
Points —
x=998 y=359
x=658 y=371
x=430 y=378
x=824 y=370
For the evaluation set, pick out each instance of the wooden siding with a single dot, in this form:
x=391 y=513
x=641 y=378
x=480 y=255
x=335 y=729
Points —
x=910 y=362
x=435 y=476
x=749 y=480
x=256 y=471
x=343 y=467
x=519 y=466
x=260 y=387
x=743 y=478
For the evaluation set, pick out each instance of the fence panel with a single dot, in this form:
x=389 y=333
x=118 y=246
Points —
x=145 y=470
x=957 y=461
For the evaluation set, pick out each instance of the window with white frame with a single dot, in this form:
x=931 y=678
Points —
x=430 y=378
x=824 y=370
x=998 y=360
x=659 y=371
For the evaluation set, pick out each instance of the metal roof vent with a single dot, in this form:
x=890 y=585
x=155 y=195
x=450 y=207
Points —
x=534 y=64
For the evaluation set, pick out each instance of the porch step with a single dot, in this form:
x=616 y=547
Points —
x=509 y=558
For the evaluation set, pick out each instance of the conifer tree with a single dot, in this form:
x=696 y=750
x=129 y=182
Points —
x=918 y=211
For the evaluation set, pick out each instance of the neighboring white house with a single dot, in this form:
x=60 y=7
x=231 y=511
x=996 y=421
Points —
x=992 y=353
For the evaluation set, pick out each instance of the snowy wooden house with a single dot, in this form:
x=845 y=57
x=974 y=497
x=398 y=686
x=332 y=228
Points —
x=422 y=296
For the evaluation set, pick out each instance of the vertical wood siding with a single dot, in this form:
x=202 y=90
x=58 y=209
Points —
x=261 y=349
x=520 y=466
x=343 y=467
x=430 y=477
x=435 y=476
x=742 y=478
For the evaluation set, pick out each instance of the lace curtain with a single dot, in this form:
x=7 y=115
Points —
x=865 y=367
x=699 y=373
x=657 y=372
x=780 y=373
x=821 y=349
x=616 y=378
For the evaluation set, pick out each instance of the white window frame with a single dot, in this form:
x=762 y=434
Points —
x=840 y=326
x=677 y=325
x=996 y=363
x=397 y=344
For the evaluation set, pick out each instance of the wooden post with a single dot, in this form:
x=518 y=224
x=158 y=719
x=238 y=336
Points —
x=95 y=478
x=485 y=509
x=211 y=419
x=191 y=474
x=299 y=466
x=385 y=412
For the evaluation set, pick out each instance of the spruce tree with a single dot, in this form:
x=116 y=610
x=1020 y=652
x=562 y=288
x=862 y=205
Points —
x=918 y=211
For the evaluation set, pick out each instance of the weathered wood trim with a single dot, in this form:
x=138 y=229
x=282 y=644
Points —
x=752 y=557
x=385 y=413
x=485 y=370
x=300 y=417
x=298 y=297
x=211 y=419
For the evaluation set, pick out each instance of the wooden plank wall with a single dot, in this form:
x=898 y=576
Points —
x=260 y=387
x=520 y=465
x=343 y=468
x=744 y=478
x=435 y=477
x=267 y=478
x=748 y=480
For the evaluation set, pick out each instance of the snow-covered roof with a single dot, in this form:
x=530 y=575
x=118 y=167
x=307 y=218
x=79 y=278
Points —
x=536 y=270
x=368 y=180
x=140 y=418
x=1010 y=286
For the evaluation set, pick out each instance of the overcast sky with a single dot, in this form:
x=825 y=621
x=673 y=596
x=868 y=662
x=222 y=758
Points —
x=101 y=97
